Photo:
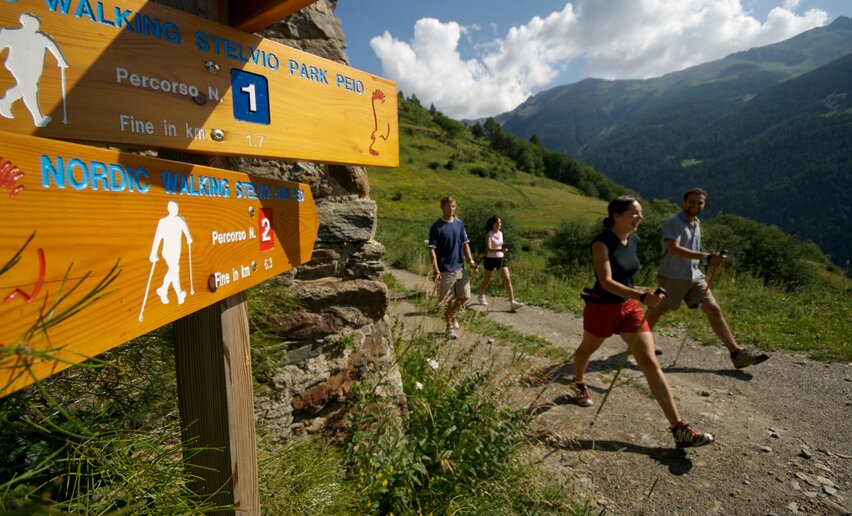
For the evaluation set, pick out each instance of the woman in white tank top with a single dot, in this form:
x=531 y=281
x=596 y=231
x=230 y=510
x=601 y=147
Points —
x=495 y=258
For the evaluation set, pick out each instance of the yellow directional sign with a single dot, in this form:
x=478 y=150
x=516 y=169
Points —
x=141 y=74
x=100 y=247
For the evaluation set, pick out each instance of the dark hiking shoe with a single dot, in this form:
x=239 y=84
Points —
x=581 y=394
x=748 y=356
x=686 y=437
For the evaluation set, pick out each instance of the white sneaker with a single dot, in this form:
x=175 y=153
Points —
x=451 y=333
x=455 y=323
x=515 y=304
x=482 y=300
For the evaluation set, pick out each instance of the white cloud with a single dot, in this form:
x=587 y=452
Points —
x=616 y=38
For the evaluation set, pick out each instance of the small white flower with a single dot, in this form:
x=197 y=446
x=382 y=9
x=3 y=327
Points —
x=418 y=386
x=433 y=363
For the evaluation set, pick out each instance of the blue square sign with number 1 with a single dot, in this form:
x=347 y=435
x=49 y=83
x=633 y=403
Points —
x=251 y=97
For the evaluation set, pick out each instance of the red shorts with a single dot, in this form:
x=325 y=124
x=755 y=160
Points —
x=603 y=319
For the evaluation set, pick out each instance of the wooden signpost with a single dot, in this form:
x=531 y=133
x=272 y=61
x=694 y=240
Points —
x=101 y=246
x=136 y=73
x=163 y=238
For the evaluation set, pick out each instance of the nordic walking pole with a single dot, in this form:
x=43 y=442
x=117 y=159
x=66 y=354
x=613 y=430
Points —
x=724 y=252
x=191 y=284
x=147 y=288
x=64 y=101
x=657 y=292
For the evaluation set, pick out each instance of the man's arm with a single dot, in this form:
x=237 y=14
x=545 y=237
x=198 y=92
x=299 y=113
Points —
x=674 y=248
x=433 y=256
x=469 y=256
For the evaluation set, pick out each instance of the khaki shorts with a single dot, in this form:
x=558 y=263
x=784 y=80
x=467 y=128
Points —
x=454 y=285
x=685 y=291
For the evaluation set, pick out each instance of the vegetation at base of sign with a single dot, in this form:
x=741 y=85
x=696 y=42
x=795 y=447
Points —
x=777 y=292
x=304 y=476
x=97 y=440
x=455 y=449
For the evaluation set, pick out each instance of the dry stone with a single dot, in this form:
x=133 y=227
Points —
x=339 y=336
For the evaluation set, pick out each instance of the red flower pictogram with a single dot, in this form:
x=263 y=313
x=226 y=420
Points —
x=9 y=175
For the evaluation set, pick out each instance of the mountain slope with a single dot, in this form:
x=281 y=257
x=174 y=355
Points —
x=765 y=131
x=784 y=158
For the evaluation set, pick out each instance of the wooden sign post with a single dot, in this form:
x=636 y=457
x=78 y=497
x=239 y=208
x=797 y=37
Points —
x=101 y=246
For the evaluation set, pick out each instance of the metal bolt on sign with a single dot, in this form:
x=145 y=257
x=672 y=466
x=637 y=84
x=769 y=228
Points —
x=211 y=67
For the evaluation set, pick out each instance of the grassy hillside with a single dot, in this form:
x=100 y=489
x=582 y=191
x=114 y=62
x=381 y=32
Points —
x=806 y=310
x=434 y=163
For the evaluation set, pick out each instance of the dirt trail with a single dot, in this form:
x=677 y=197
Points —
x=782 y=428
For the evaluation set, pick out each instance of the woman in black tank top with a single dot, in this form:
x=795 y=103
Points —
x=612 y=307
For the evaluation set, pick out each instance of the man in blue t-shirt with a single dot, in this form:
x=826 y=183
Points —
x=448 y=248
x=681 y=276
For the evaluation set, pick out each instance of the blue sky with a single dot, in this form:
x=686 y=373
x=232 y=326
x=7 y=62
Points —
x=477 y=58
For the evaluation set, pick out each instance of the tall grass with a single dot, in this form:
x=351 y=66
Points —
x=455 y=450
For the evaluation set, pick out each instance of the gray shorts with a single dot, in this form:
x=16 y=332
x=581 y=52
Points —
x=685 y=291
x=454 y=285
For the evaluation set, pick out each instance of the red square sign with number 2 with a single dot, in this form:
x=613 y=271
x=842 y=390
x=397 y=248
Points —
x=264 y=221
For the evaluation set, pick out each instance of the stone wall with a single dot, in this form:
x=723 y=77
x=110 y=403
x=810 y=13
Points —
x=340 y=334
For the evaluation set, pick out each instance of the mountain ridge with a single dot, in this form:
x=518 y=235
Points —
x=660 y=135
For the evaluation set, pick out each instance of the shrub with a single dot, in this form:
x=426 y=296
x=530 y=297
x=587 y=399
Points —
x=569 y=245
x=764 y=251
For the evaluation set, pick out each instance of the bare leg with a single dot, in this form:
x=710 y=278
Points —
x=486 y=277
x=507 y=282
x=643 y=351
x=589 y=345
x=720 y=325
x=452 y=309
x=654 y=315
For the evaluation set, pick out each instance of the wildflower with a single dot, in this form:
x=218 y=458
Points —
x=378 y=475
x=390 y=469
x=385 y=483
x=418 y=386
x=433 y=363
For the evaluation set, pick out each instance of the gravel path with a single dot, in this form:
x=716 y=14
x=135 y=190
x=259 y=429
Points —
x=782 y=428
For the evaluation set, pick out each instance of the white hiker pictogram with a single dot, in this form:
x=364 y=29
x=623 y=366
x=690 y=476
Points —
x=170 y=229
x=25 y=61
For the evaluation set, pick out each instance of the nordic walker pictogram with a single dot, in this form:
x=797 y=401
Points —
x=25 y=61
x=170 y=229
